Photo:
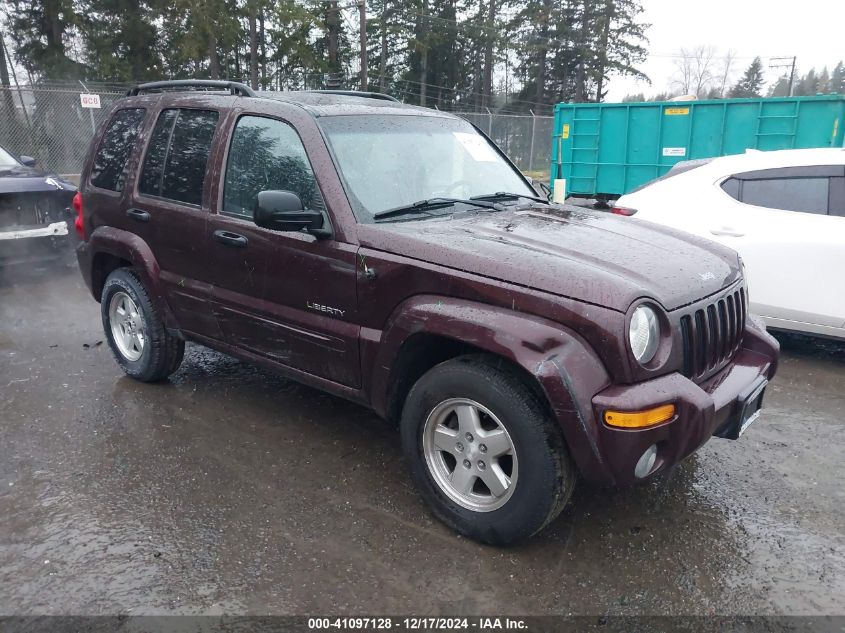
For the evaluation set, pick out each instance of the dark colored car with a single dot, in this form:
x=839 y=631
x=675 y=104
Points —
x=34 y=207
x=392 y=255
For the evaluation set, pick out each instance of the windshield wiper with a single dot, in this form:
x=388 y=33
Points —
x=422 y=206
x=506 y=195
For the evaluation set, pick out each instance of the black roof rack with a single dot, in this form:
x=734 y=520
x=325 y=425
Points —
x=356 y=93
x=234 y=87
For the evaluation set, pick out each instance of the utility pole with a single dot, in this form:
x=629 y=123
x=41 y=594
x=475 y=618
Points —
x=792 y=76
x=424 y=56
x=253 y=45
x=382 y=67
x=333 y=25
x=785 y=62
x=487 y=73
x=362 y=19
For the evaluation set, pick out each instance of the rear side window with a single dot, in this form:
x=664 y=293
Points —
x=790 y=194
x=177 y=157
x=109 y=168
x=150 y=181
x=807 y=189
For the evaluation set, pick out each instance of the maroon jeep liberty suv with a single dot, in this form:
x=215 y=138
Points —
x=394 y=256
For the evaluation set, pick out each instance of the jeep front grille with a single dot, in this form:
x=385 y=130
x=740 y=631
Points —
x=712 y=334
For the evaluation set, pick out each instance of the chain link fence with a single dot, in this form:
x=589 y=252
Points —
x=50 y=124
x=526 y=139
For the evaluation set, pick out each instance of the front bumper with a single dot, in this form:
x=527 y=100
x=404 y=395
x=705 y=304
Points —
x=702 y=410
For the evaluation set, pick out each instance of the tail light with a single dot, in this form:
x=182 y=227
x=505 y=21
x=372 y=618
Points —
x=623 y=211
x=78 y=223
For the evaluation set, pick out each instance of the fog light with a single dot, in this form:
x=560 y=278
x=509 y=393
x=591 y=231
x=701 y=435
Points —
x=646 y=462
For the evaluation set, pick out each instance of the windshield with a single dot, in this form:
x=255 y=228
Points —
x=389 y=161
x=7 y=160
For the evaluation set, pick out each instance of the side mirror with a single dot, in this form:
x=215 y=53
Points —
x=28 y=161
x=283 y=211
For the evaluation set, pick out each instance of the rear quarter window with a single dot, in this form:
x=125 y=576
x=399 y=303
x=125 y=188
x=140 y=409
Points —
x=109 y=168
x=837 y=196
x=731 y=187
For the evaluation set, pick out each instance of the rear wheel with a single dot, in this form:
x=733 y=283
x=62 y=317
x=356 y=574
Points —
x=484 y=452
x=135 y=331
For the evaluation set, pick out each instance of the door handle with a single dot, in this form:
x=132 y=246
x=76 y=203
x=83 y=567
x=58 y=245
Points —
x=727 y=230
x=137 y=214
x=230 y=239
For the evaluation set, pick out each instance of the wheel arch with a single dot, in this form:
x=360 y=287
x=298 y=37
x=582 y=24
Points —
x=422 y=351
x=102 y=265
x=108 y=249
x=553 y=361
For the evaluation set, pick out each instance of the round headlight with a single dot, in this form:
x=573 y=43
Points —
x=644 y=334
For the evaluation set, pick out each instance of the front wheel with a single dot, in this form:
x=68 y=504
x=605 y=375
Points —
x=484 y=452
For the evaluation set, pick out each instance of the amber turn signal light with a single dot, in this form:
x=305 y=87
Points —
x=640 y=419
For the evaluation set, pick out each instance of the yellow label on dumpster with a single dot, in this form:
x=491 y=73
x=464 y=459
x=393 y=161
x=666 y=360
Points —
x=565 y=130
x=671 y=111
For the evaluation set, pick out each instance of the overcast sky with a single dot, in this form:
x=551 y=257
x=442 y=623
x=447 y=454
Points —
x=813 y=30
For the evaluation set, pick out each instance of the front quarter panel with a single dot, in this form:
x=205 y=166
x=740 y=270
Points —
x=565 y=367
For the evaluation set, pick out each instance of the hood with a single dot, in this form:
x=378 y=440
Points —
x=23 y=179
x=589 y=256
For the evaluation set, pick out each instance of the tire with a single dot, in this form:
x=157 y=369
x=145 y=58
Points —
x=155 y=354
x=540 y=471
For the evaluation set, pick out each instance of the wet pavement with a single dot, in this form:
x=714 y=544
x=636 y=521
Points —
x=231 y=490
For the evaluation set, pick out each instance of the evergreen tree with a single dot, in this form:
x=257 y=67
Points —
x=503 y=55
x=751 y=82
x=824 y=82
x=41 y=31
x=637 y=97
x=121 y=40
x=808 y=85
x=389 y=30
x=202 y=39
x=621 y=39
x=568 y=48
x=780 y=88
x=837 y=79
x=296 y=58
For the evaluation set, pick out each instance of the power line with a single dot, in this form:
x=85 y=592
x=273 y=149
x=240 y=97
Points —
x=464 y=92
x=785 y=62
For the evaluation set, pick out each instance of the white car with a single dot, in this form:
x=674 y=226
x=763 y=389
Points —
x=783 y=211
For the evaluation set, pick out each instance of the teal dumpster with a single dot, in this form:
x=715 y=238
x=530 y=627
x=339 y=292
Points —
x=604 y=150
